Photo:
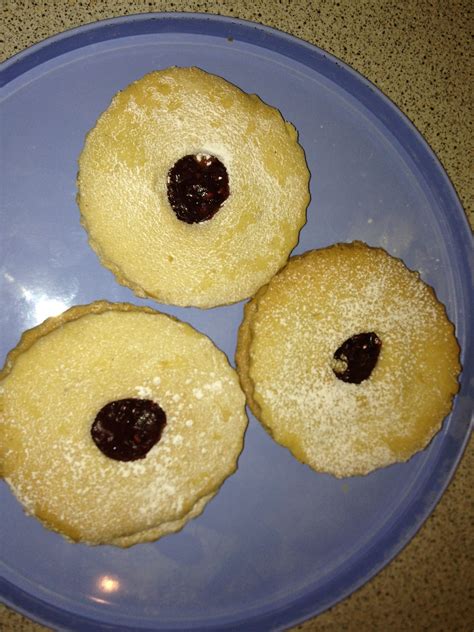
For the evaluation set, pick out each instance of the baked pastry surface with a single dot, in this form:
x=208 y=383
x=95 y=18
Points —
x=123 y=189
x=286 y=350
x=63 y=372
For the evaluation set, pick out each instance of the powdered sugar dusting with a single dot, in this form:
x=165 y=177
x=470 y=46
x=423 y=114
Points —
x=123 y=175
x=57 y=386
x=143 y=391
x=313 y=306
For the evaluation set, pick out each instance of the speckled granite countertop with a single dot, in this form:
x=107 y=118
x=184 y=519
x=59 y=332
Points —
x=420 y=54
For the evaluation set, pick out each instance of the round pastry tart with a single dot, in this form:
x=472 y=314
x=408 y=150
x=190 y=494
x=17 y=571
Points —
x=118 y=423
x=348 y=359
x=192 y=191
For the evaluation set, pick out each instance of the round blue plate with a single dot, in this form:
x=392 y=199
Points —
x=279 y=543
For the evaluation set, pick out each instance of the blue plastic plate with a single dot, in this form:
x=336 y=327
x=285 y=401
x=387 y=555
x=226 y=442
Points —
x=279 y=543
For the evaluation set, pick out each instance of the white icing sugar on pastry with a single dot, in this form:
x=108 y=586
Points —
x=348 y=359
x=192 y=191
x=118 y=423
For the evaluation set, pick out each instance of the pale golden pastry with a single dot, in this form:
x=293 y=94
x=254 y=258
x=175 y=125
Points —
x=348 y=359
x=118 y=423
x=157 y=145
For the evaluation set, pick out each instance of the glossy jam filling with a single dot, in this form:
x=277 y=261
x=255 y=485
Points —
x=127 y=429
x=356 y=357
x=198 y=185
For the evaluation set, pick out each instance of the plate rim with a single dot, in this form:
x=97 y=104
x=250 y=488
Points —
x=364 y=91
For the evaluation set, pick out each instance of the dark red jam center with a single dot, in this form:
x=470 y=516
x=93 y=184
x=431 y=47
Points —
x=197 y=187
x=127 y=429
x=357 y=357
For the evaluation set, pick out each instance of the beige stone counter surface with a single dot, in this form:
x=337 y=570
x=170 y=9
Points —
x=420 y=54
